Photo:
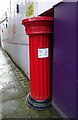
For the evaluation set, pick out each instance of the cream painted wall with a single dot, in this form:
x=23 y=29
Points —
x=13 y=37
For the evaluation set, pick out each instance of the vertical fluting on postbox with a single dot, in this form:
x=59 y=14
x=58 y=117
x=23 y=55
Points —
x=40 y=32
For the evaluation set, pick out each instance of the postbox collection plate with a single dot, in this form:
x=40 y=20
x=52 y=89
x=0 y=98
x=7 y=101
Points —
x=43 y=52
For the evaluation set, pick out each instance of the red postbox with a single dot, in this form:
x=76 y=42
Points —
x=40 y=31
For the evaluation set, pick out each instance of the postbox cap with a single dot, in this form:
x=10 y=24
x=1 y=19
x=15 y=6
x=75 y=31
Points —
x=38 y=25
x=39 y=18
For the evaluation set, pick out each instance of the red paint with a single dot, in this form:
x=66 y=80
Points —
x=40 y=68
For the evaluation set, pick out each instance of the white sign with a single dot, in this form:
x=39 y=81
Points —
x=43 y=52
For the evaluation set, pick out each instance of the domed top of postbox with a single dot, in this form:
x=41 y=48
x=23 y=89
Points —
x=38 y=25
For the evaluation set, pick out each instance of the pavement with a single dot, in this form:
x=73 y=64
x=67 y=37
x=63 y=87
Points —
x=14 y=87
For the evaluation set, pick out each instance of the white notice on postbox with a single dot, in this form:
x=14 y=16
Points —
x=43 y=53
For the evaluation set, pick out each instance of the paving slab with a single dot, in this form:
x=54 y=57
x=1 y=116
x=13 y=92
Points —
x=44 y=114
x=0 y=107
x=7 y=79
x=14 y=87
x=0 y=93
x=14 y=106
x=13 y=93
x=19 y=115
x=0 y=116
